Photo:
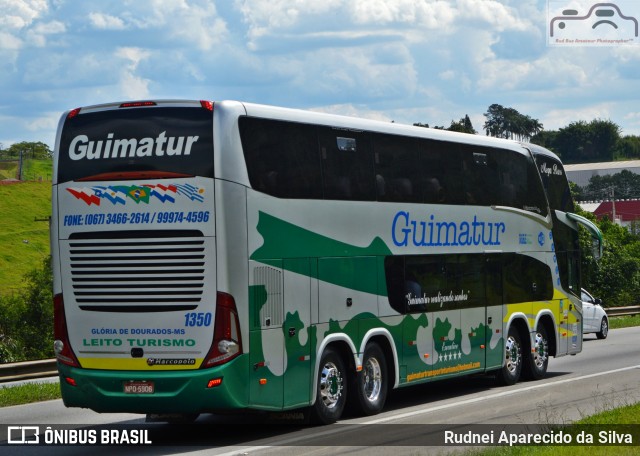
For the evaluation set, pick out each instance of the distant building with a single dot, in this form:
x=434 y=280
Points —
x=581 y=173
x=622 y=212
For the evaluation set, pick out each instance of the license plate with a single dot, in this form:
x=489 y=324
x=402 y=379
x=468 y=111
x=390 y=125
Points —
x=140 y=387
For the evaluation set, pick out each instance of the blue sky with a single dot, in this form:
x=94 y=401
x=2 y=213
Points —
x=403 y=60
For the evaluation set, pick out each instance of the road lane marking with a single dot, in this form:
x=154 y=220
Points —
x=496 y=395
x=332 y=430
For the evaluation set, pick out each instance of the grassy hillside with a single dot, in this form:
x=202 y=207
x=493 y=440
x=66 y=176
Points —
x=24 y=242
x=8 y=170
x=37 y=170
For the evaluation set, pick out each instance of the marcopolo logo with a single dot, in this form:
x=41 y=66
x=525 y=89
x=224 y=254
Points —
x=589 y=23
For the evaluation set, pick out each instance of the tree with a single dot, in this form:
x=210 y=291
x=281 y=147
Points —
x=37 y=150
x=547 y=139
x=627 y=147
x=510 y=124
x=463 y=126
x=616 y=277
x=26 y=318
x=622 y=185
x=594 y=141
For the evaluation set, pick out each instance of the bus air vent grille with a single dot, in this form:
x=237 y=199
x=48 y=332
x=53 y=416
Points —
x=138 y=274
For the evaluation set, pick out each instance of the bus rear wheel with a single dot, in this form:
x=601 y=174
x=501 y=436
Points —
x=371 y=384
x=331 y=388
x=510 y=372
x=537 y=361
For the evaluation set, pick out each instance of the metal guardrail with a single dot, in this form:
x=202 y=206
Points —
x=26 y=370
x=621 y=311
x=47 y=367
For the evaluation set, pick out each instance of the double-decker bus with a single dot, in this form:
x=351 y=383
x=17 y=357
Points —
x=231 y=256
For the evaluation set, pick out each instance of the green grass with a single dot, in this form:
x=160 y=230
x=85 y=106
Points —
x=629 y=414
x=8 y=170
x=32 y=170
x=37 y=170
x=624 y=321
x=28 y=393
x=24 y=242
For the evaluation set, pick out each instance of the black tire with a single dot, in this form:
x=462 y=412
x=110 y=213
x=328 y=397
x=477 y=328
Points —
x=371 y=384
x=537 y=360
x=510 y=372
x=604 y=329
x=331 y=389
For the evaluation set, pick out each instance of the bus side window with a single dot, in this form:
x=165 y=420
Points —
x=398 y=164
x=347 y=165
x=444 y=162
x=479 y=175
x=394 y=274
x=282 y=157
x=526 y=279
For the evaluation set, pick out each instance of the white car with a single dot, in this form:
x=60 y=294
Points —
x=594 y=317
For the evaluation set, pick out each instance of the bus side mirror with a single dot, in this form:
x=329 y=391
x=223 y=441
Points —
x=596 y=248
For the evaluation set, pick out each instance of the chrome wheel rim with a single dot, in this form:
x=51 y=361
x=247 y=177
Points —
x=604 y=327
x=512 y=354
x=372 y=378
x=330 y=385
x=541 y=351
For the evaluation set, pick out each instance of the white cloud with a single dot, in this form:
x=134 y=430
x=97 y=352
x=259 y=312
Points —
x=133 y=87
x=17 y=14
x=106 y=21
x=9 y=41
x=432 y=15
x=351 y=110
x=196 y=22
x=404 y=60
x=133 y=54
x=560 y=118
x=130 y=85
x=37 y=35
x=504 y=75
x=46 y=121
x=498 y=15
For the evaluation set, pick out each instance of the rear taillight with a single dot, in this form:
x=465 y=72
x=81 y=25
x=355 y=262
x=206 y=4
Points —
x=227 y=341
x=138 y=104
x=206 y=104
x=73 y=113
x=61 y=345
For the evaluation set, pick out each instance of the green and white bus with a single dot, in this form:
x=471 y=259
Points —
x=230 y=256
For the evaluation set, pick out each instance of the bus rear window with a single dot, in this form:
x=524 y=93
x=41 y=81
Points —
x=177 y=140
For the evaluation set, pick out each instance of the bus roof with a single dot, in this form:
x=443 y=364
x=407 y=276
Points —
x=356 y=123
x=334 y=120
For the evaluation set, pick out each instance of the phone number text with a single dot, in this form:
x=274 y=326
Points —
x=137 y=218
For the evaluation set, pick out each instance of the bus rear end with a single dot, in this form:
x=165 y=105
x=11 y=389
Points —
x=139 y=323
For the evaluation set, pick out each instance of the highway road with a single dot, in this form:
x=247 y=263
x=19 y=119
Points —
x=605 y=375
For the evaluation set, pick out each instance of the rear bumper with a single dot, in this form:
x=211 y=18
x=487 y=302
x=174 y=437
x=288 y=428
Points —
x=180 y=391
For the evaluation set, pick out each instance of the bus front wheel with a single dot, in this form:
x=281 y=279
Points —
x=510 y=372
x=331 y=388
